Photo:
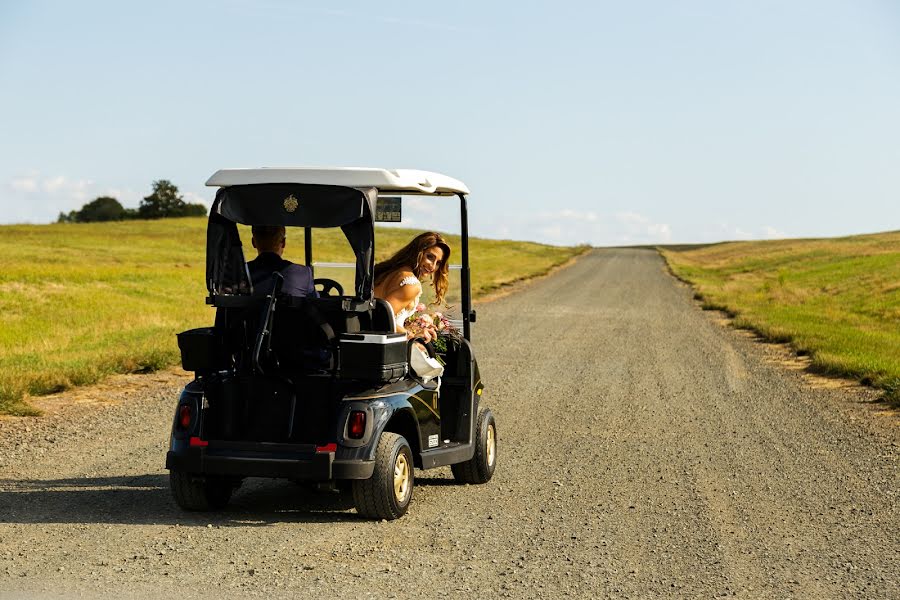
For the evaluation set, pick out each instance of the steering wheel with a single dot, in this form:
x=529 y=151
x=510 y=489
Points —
x=328 y=285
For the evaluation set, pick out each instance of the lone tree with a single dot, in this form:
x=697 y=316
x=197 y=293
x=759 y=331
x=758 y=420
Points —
x=165 y=201
x=104 y=208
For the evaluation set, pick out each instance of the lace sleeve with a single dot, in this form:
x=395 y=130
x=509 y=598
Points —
x=409 y=309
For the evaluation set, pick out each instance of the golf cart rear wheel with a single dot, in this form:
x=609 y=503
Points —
x=388 y=492
x=481 y=467
x=192 y=492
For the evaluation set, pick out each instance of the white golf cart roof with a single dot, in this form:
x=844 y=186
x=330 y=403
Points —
x=401 y=181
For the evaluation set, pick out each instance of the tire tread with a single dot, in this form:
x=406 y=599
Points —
x=369 y=495
x=476 y=469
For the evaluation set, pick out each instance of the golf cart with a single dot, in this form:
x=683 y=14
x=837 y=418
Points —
x=320 y=388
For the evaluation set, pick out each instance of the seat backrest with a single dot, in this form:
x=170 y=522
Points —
x=303 y=336
x=302 y=331
x=342 y=321
x=382 y=316
x=238 y=327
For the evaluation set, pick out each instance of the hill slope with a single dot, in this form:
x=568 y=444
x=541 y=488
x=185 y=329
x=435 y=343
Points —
x=837 y=300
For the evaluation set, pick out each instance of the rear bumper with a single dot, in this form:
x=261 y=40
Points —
x=267 y=460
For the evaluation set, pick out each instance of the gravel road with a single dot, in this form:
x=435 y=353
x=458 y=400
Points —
x=645 y=451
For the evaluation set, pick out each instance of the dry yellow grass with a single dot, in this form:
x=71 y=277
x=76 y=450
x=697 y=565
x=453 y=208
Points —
x=81 y=301
x=836 y=300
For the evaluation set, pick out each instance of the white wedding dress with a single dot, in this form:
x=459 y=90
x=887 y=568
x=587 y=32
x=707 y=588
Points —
x=408 y=310
x=425 y=367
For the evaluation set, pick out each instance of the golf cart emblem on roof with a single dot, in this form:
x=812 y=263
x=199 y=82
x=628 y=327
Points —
x=291 y=203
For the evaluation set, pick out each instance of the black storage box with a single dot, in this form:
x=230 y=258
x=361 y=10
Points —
x=372 y=356
x=202 y=350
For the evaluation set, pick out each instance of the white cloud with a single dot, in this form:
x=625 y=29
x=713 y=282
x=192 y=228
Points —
x=36 y=198
x=127 y=196
x=552 y=232
x=661 y=231
x=503 y=232
x=63 y=186
x=724 y=231
x=192 y=198
x=567 y=226
x=24 y=184
x=53 y=184
x=630 y=217
x=420 y=206
x=438 y=214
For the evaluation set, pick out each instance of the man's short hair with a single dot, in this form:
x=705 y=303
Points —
x=268 y=235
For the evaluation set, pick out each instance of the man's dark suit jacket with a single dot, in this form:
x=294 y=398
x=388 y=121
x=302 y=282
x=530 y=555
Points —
x=298 y=279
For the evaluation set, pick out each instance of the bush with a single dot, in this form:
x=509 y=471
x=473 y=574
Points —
x=194 y=210
x=103 y=208
x=165 y=201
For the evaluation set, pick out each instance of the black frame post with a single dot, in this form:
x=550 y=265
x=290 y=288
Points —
x=307 y=245
x=467 y=312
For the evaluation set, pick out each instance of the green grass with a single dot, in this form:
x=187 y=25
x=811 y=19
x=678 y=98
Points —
x=79 y=302
x=836 y=300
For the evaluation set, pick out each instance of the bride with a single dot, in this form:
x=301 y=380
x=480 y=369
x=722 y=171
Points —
x=397 y=279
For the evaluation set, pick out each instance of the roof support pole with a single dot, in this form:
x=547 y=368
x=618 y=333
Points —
x=307 y=245
x=467 y=312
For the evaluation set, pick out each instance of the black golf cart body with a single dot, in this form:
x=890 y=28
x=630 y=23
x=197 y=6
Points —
x=311 y=388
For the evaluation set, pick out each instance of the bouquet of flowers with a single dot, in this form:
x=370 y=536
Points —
x=421 y=320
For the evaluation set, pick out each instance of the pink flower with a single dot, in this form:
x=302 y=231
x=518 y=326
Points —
x=420 y=307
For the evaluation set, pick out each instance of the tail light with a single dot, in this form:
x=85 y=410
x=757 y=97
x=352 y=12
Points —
x=356 y=426
x=185 y=414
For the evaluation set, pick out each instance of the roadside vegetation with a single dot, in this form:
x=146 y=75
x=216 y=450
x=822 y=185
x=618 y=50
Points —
x=835 y=300
x=164 y=202
x=82 y=301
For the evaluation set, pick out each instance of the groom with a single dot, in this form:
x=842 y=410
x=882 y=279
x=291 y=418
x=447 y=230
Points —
x=269 y=241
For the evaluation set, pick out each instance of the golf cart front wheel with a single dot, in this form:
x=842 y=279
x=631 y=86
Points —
x=480 y=468
x=388 y=492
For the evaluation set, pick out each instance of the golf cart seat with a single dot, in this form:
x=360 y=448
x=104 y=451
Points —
x=305 y=331
x=382 y=316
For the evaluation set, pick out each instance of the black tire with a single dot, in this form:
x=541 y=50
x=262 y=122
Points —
x=197 y=493
x=480 y=468
x=386 y=495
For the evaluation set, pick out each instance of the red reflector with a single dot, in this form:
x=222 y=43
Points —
x=327 y=448
x=356 y=426
x=195 y=441
x=184 y=416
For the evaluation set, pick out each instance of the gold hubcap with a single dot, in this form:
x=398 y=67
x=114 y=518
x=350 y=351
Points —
x=491 y=446
x=401 y=478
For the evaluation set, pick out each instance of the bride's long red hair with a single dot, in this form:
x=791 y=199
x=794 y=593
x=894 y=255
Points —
x=410 y=256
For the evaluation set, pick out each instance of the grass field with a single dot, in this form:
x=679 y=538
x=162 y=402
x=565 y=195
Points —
x=79 y=302
x=836 y=300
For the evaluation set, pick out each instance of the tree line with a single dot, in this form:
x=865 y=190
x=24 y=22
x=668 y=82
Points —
x=164 y=202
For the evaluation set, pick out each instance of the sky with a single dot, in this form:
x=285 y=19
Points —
x=608 y=123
